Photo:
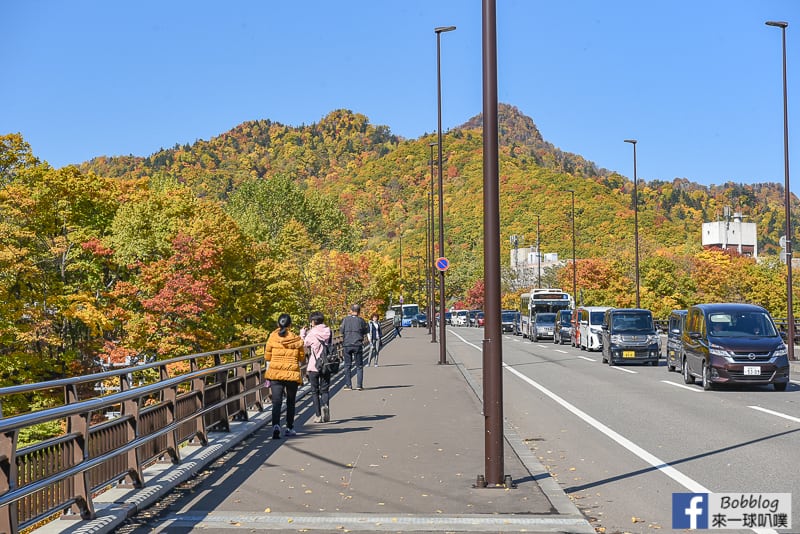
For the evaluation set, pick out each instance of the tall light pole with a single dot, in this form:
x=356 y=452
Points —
x=492 y=331
x=431 y=269
x=442 y=339
x=786 y=199
x=635 y=219
x=538 y=256
x=574 y=265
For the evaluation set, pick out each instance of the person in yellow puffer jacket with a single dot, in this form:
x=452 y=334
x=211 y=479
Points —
x=285 y=354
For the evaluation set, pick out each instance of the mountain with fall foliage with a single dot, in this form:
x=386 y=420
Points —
x=203 y=245
x=381 y=183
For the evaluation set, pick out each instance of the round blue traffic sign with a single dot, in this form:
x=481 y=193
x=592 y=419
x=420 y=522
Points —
x=442 y=264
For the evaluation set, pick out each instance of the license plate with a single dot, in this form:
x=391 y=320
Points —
x=752 y=370
x=628 y=354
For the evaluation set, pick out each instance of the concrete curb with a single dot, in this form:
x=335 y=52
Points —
x=563 y=505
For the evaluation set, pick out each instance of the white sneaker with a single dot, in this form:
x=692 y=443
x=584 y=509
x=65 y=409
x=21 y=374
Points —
x=289 y=432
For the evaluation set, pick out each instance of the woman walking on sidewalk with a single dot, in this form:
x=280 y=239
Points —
x=315 y=338
x=374 y=337
x=284 y=353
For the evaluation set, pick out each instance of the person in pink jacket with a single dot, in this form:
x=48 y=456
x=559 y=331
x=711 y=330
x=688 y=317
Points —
x=320 y=381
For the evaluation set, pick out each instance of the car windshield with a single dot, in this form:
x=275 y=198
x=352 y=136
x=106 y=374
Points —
x=742 y=324
x=507 y=317
x=566 y=318
x=596 y=317
x=545 y=318
x=632 y=322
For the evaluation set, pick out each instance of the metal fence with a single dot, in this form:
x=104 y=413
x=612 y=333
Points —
x=108 y=439
x=116 y=423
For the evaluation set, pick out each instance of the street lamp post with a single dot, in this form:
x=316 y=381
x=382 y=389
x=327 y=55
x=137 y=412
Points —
x=442 y=340
x=635 y=219
x=431 y=268
x=538 y=256
x=786 y=199
x=492 y=347
x=574 y=266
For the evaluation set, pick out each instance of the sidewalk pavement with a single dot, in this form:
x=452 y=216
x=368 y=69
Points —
x=400 y=456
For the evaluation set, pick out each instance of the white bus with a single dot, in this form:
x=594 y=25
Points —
x=540 y=300
x=406 y=311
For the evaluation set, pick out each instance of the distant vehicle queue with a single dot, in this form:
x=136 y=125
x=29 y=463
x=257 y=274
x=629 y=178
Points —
x=716 y=344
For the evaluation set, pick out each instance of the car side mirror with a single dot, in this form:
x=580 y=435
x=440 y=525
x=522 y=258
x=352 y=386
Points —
x=784 y=335
x=695 y=335
x=604 y=327
x=675 y=331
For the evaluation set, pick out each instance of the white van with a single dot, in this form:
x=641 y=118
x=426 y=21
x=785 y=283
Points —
x=460 y=318
x=590 y=322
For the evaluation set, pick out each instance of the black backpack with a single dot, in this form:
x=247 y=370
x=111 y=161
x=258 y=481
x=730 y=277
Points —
x=327 y=361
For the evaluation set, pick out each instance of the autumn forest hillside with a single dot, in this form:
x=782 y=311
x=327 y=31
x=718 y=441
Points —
x=202 y=245
x=381 y=183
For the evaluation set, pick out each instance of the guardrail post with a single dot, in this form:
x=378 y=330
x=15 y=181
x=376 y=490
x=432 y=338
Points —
x=78 y=424
x=8 y=480
x=130 y=409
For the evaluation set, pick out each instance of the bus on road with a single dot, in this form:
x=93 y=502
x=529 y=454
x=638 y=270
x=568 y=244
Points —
x=540 y=300
x=407 y=312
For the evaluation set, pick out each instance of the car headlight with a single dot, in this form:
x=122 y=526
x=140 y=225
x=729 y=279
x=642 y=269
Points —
x=717 y=350
x=653 y=339
x=616 y=338
x=594 y=330
x=780 y=351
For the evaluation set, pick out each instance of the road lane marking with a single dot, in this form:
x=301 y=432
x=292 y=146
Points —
x=624 y=370
x=777 y=414
x=561 y=351
x=674 y=474
x=688 y=483
x=684 y=386
x=586 y=358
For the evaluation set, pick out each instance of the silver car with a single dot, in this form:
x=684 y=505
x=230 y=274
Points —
x=542 y=326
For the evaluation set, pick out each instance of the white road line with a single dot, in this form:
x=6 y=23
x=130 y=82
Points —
x=688 y=483
x=561 y=351
x=777 y=414
x=587 y=358
x=674 y=474
x=624 y=370
x=684 y=386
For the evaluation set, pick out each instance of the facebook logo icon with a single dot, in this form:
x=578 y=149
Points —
x=689 y=510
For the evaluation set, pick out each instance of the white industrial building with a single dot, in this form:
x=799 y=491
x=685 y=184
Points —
x=527 y=264
x=731 y=234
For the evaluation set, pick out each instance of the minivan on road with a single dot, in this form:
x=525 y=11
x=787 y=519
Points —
x=629 y=336
x=731 y=343
x=589 y=320
x=674 y=334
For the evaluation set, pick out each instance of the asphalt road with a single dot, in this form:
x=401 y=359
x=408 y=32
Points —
x=621 y=440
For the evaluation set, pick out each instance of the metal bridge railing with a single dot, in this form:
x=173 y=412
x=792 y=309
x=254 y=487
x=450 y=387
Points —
x=151 y=419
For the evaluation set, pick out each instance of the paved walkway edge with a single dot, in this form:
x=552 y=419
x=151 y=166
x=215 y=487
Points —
x=554 y=493
x=116 y=505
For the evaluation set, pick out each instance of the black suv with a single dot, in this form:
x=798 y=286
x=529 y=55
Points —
x=629 y=335
x=562 y=332
x=731 y=343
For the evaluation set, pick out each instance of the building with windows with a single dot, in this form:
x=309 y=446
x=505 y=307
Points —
x=527 y=264
x=732 y=234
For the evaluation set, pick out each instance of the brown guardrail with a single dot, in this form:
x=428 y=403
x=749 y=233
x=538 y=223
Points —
x=108 y=440
x=117 y=422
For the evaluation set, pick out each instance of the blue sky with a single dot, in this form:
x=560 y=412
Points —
x=697 y=83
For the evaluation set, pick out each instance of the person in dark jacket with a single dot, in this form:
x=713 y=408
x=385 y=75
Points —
x=353 y=329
